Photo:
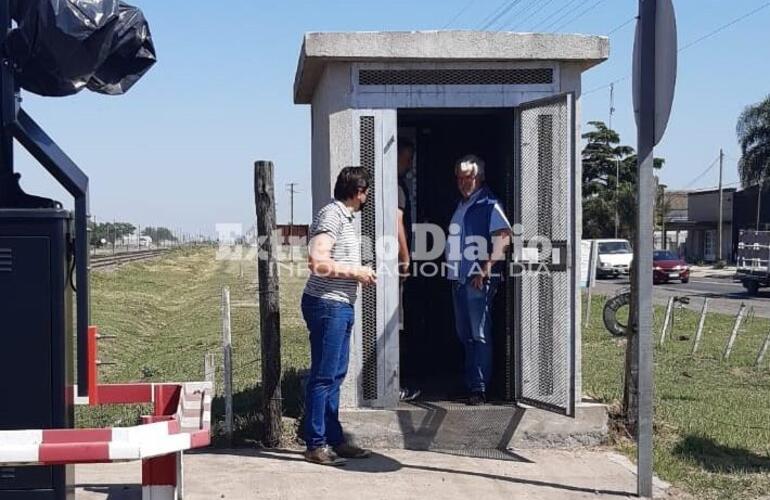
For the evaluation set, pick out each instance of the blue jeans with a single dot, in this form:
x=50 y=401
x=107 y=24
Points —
x=330 y=323
x=473 y=322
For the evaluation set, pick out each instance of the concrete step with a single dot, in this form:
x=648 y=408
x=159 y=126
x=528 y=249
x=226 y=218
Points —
x=441 y=425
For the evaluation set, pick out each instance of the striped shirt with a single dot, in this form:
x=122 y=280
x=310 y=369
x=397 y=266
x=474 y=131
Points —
x=336 y=220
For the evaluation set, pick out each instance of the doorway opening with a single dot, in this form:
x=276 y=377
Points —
x=431 y=356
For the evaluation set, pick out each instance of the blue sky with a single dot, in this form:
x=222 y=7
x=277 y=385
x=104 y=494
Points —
x=178 y=149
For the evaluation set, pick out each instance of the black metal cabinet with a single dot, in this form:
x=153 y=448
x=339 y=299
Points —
x=36 y=335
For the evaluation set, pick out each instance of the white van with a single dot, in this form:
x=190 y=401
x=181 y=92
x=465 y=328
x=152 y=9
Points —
x=615 y=257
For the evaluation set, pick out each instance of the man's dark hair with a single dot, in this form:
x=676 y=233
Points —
x=350 y=181
x=405 y=144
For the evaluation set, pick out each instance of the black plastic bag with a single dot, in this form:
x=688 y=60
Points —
x=59 y=44
x=131 y=56
x=61 y=47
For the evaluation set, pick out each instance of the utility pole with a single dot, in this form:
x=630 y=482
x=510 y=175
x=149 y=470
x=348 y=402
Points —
x=292 y=192
x=721 y=207
x=617 y=162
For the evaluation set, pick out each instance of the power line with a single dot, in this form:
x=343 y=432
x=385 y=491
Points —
x=693 y=43
x=589 y=9
x=459 y=13
x=702 y=174
x=512 y=19
x=521 y=22
x=565 y=15
x=621 y=26
x=553 y=14
x=505 y=11
x=602 y=87
x=724 y=27
x=493 y=14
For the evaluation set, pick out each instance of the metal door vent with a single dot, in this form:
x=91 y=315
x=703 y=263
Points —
x=534 y=76
x=369 y=258
x=6 y=260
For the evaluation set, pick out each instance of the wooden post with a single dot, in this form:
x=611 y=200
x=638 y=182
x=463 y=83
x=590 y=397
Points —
x=269 y=307
x=227 y=352
x=734 y=334
x=763 y=351
x=701 y=322
x=667 y=320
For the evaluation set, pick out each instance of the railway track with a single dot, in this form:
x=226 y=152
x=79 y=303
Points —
x=118 y=259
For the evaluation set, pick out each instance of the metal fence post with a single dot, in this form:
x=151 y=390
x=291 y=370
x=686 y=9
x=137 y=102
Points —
x=667 y=320
x=701 y=322
x=763 y=351
x=734 y=334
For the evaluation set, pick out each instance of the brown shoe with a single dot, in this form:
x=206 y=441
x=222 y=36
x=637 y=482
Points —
x=349 y=451
x=324 y=456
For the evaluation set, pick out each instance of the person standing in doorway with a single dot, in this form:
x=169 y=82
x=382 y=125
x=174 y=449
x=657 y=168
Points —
x=479 y=235
x=404 y=220
x=328 y=309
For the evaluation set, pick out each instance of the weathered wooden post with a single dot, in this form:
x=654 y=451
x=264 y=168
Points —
x=701 y=322
x=269 y=307
x=227 y=354
x=734 y=334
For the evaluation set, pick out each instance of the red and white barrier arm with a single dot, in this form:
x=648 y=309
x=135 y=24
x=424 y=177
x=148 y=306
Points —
x=186 y=428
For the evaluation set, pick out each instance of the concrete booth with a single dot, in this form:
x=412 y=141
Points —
x=514 y=100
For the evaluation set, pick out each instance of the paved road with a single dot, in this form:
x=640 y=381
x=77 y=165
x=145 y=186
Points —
x=725 y=294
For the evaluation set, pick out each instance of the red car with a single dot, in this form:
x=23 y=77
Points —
x=667 y=266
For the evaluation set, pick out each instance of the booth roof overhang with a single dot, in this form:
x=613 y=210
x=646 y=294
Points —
x=318 y=49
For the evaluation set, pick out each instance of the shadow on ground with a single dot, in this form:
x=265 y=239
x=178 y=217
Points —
x=382 y=464
x=714 y=457
x=114 y=492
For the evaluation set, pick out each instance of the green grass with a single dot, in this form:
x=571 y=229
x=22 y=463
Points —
x=165 y=315
x=712 y=418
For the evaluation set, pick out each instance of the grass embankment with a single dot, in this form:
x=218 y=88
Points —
x=712 y=419
x=165 y=315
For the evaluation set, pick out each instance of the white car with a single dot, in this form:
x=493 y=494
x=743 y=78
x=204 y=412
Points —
x=615 y=258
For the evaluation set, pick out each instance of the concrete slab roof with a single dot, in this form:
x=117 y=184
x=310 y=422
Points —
x=321 y=48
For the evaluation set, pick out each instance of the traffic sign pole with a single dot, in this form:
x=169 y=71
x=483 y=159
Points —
x=644 y=241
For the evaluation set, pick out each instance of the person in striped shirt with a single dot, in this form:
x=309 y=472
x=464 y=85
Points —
x=328 y=309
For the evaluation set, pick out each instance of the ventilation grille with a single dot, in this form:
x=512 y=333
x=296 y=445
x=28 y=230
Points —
x=6 y=260
x=536 y=76
x=369 y=258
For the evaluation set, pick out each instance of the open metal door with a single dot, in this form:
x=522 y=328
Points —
x=377 y=328
x=544 y=187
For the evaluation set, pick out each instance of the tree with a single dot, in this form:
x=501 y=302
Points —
x=753 y=132
x=159 y=234
x=110 y=232
x=609 y=182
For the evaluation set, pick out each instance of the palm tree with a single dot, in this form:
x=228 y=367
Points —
x=754 y=136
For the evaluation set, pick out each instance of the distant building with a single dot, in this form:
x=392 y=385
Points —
x=676 y=213
x=297 y=234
